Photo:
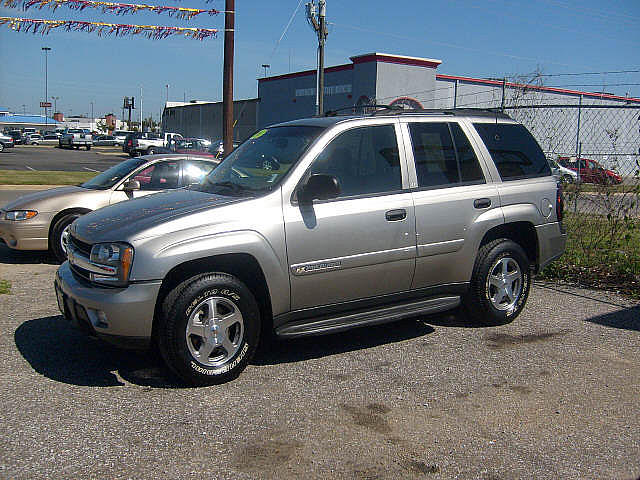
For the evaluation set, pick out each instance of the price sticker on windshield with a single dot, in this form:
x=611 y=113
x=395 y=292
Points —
x=259 y=134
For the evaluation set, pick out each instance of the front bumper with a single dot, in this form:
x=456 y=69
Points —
x=30 y=234
x=123 y=316
x=552 y=241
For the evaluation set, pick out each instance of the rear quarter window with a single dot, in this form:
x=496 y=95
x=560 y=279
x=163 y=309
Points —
x=513 y=149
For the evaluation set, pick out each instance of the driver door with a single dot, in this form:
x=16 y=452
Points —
x=153 y=178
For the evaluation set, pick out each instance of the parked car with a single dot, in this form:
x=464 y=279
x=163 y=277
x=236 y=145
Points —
x=151 y=143
x=17 y=137
x=6 y=142
x=51 y=135
x=564 y=174
x=33 y=139
x=105 y=141
x=590 y=171
x=75 y=138
x=120 y=136
x=316 y=226
x=40 y=221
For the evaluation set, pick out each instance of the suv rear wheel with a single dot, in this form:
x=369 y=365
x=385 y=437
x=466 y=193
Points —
x=499 y=284
x=209 y=329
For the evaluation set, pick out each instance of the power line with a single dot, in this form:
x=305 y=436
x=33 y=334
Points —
x=284 y=32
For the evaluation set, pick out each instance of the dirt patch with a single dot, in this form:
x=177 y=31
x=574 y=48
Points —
x=416 y=466
x=266 y=454
x=369 y=417
x=499 y=341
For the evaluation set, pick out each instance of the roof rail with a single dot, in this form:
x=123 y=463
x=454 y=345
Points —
x=399 y=110
x=333 y=113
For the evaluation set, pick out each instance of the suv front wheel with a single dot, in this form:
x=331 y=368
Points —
x=209 y=329
x=499 y=284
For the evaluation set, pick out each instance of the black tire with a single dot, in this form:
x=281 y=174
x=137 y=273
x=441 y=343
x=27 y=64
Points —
x=181 y=303
x=478 y=303
x=88 y=147
x=132 y=154
x=55 y=236
x=151 y=151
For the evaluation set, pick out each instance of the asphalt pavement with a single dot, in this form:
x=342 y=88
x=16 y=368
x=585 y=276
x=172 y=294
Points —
x=50 y=157
x=554 y=395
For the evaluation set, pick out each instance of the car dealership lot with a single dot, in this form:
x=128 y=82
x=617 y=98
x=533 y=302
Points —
x=50 y=157
x=554 y=395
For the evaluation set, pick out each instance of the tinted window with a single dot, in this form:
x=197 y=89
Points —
x=364 y=160
x=194 y=171
x=159 y=176
x=514 y=150
x=443 y=155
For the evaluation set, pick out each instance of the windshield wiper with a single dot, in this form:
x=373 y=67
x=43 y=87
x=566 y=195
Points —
x=233 y=187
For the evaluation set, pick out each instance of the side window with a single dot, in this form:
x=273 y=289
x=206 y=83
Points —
x=443 y=155
x=159 y=176
x=194 y=171
x=514 y=150
x=364 y=160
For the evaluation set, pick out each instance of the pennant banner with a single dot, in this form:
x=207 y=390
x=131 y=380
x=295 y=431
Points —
x=119 y=30
x=111 y=7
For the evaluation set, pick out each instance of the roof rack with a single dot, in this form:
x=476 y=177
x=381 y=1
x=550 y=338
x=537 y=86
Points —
x=399 y=110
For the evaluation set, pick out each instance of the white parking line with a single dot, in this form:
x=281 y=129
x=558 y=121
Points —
x=30 y=168
x=91 y=169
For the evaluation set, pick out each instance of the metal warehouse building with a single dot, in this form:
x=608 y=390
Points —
x=565 y=122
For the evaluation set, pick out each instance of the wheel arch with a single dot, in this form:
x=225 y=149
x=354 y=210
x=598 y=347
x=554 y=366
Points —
x=243 y=266
x=522 y=232
x=66 y=211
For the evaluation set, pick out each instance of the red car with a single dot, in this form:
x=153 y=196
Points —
x=590 y=171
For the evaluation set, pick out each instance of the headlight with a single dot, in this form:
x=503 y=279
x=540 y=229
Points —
x=114 y=260
x=20 y=215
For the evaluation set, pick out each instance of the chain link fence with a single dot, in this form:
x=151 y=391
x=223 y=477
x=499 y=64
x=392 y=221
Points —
x=595 y=151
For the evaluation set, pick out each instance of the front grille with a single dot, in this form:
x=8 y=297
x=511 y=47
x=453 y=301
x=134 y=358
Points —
x=81 y=246
x=81 y=273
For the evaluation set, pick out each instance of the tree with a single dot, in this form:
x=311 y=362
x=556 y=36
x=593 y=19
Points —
x=102 y=126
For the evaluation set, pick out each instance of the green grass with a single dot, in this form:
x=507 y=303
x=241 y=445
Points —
x=19 y=177
x=5 y=287
x=589 y=187
x=597 y=258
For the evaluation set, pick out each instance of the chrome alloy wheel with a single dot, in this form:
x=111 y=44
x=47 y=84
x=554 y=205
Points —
x=215 y=330
x=64 y=238
x=504 y=284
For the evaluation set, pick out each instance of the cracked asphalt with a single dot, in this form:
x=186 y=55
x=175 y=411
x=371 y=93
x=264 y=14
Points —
x=553 y=395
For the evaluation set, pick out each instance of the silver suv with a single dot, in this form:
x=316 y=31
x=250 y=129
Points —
x=316 y=226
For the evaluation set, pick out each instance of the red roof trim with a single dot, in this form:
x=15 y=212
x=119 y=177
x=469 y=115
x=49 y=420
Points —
x=305 y=73
x=535 y=87
x=376 y=57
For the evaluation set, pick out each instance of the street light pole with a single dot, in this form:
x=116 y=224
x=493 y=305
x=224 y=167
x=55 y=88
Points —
x=55 y=103
x=265 y=66
x=46 y=82
x=91 y=122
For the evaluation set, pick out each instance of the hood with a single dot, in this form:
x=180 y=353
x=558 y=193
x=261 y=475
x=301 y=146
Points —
x=41 y=199
x=126 y=220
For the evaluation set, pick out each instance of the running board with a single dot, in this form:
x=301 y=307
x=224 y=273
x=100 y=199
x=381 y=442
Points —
x=342 y=322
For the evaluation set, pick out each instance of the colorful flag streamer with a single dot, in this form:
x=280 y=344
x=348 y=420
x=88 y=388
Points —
x=154 y=32
x=111 y=7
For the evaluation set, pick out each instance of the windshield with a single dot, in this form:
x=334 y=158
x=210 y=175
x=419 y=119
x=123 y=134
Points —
x=261 y=162
x=109 y=178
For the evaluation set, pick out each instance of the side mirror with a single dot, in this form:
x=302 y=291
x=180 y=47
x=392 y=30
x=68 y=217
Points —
x=319 y=187
x=131 y=185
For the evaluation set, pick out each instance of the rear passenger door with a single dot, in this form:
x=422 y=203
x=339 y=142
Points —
x=453 y=193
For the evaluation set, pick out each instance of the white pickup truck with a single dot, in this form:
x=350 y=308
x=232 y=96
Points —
x=75 y=138
x=152 y=143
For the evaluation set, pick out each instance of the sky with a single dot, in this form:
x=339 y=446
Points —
x=478 y=38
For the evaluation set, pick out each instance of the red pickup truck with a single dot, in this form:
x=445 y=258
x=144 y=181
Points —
x=590 y=171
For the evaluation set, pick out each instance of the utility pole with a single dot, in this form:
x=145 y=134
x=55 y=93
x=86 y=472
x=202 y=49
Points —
x=55 y=103
x=317 y=19
x=141 y=118
x=46 y=82
x=91 y=122
x=227 y=80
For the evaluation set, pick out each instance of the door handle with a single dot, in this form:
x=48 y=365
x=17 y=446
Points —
x=482 y=202
x=396 y=215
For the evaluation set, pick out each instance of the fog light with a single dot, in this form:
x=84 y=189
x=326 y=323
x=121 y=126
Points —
x=98 y=318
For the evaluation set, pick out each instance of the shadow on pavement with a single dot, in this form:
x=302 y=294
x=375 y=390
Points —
x=57 y=351
x=23 y=257
x=626 y=319
x=300 y=349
